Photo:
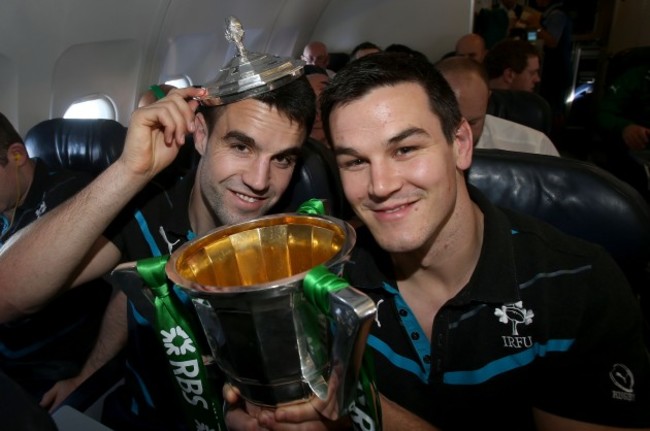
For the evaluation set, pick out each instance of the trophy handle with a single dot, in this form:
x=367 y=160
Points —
x=125 y=277
x=353 y=313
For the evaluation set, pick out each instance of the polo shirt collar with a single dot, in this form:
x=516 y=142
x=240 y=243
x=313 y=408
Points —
x=177 y=221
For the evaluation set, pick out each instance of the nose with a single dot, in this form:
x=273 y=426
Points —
x=384 y=181
x=258 y=175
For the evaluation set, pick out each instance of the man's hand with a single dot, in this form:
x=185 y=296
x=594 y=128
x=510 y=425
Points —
x=157 y=131
x=245 y=416
x=59 y=392
x=636 y=137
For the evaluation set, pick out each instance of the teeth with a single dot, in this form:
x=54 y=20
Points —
x=246 y=198
x=395 y=209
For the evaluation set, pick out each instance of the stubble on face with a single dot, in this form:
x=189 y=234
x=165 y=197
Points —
x=241 y=175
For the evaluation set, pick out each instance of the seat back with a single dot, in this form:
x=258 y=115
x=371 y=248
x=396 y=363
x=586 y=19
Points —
x=578 y=198
x=575 y=196
x=90 y=145
x=76 y=144
x=316 y=177
x=523 y=107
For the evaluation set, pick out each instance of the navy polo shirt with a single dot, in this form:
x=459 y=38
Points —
x=155 y=223
x=545 y=321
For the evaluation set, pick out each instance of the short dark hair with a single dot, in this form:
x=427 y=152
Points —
x=296 y=100
x=509 y=54
x=8 y=136
x=363 y=45
x=388 y=69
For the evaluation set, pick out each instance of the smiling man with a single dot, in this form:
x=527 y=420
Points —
x=248 y=150
x=486 y=318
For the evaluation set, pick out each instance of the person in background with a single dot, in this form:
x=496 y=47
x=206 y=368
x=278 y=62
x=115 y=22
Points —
x=556 y=32
x=468 y=80
x=248 y=150
x=472 y=46
x=48 y=341
x=403 y=49
x=363 y=49
x=623 y=117
x=316 y=54
x=318 y=79
x=476 y=304
x=153 y=93
x=513 y=64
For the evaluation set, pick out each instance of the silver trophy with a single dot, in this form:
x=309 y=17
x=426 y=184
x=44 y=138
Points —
x=271 y=341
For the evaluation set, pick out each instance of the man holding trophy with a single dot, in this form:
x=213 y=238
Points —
x=486 y=319
x=248 y=133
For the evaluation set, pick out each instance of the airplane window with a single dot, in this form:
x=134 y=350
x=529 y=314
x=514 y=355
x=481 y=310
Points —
x=180 y=82
x=95 y=107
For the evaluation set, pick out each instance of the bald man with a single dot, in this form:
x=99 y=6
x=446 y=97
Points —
x=316 y=53
x=472 y=46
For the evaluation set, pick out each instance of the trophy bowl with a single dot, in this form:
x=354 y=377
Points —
x=272 y=343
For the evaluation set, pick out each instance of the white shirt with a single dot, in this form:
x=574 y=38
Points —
x=507 y=135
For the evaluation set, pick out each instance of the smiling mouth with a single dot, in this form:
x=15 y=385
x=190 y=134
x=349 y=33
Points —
x=246 y=198
x=392 y=209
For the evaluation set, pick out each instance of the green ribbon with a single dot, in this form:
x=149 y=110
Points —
x=201 y=402
x=157 y=91
x=317 y=285
x=312 y=207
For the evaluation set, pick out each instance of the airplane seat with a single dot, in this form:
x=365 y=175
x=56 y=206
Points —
x=577 y=197
x=338 y=60
x=523 y=107
x=316 y=176
x=90 y=145
x=76 y=144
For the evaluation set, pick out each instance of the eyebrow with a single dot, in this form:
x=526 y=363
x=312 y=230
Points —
x=404 y=134
x=247 y=140
x=242 y=137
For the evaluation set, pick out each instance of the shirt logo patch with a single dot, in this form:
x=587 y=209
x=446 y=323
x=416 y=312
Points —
x=42 y=208
x=515 y=314
x=622 y=377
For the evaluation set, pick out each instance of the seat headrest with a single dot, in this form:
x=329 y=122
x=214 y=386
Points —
x=575 y=196
x=523 y=107
x=76 y=144
x=316 y=176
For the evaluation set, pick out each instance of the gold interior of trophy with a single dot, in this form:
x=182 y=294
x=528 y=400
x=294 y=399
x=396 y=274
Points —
x=260 y=251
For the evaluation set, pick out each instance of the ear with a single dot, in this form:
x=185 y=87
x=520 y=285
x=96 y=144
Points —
x=200 y=134
x=463 y=146
x=508 y=75
x=17 y=154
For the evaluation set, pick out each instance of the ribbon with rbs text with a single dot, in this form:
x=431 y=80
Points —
x=318 y=284
x=201 y=400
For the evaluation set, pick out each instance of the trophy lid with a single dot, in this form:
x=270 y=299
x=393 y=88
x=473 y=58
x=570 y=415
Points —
x=249 y=73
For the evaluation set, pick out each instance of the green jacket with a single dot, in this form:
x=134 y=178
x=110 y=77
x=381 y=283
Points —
x=626 y=101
